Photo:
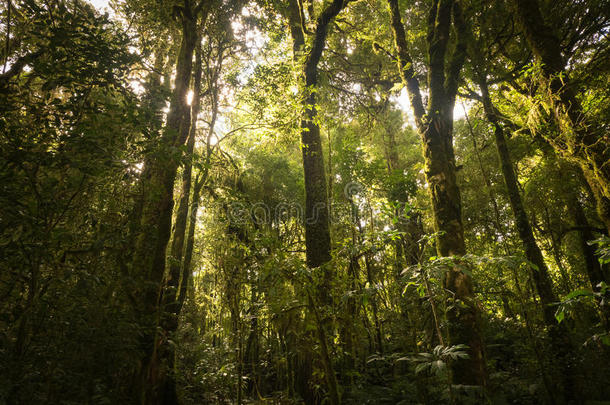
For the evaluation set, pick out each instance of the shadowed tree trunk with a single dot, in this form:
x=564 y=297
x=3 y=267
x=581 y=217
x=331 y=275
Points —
x=171 y=301
x=194 y=208
x=158 y=176
x=435 y=127
x=317 y=232
x=561 y=346
x=594 y=270
x=579 y=140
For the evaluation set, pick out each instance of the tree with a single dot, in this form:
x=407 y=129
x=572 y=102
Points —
x=435 y=126
x=161 y=169
x=155 y=216
x=582 y=140
x=560 y=339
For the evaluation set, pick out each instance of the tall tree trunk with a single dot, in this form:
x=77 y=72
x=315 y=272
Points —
x=154 y=230
x=561 y=346
x=436 y=131
x=580 y=140
x=170 y=300
x=252 y=351
x=317 y=230
x=595 y=271
x=377 y=324
x=154 y=100
x=170 y=293
x=492 y=197
x=199 y=183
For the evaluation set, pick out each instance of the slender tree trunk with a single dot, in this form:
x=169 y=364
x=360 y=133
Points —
x=190 y=241
x=251 y=355
x=580 y=140
x=492 y=198
x=201 y=179
x=170 y=294
x=594 y=270
x=374 y=306
x=347 y=332
x=561 y=345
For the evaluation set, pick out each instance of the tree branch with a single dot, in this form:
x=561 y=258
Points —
x=405 y=64
x=459 y=55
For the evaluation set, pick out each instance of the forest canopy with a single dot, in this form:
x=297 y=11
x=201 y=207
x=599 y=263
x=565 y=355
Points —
x=304 y=202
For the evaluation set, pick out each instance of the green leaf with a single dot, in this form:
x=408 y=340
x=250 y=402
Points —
x=582 y=292
x=421 y=367
x=559 y=315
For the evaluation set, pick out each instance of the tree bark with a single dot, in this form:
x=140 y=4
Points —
x=561 y=346
x=435 y=127
x=171 y=301
x=595 y=272
x=158 y=176
x=580 y=139
x=170 y=294
x=317 y=232
x=317 y=228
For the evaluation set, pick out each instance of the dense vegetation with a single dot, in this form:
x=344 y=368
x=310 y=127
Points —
x=305 y=201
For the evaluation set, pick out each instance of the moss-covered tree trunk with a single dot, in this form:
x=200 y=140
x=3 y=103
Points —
x=317 y=232
x=154 y=229
x=561 y=346
x=316 y=221
x=435 y=126
x=171 y=300
x=580 y=140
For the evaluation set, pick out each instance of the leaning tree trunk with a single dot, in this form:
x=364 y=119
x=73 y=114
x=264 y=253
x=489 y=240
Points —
x=561 y=346
x=436 y=130
x=580 y=140
x=594 y=270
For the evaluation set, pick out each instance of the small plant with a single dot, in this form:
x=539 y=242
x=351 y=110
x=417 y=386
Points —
x=438 y=363
x=585 y=295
